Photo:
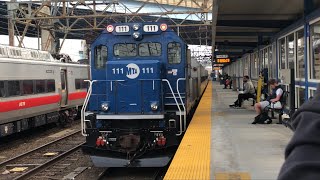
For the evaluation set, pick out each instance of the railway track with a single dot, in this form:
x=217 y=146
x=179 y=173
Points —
x=156 y=173
x=31 y=162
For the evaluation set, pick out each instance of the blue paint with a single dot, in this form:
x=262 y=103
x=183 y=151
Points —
x=131 y=84
x=277 y=62
x=306 y=36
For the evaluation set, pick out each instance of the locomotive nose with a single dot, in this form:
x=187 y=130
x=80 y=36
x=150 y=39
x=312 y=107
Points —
x=135 y=86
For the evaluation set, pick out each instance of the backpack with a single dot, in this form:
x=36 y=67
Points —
x=263 y=118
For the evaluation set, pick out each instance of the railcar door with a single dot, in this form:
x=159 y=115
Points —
x=64 y=88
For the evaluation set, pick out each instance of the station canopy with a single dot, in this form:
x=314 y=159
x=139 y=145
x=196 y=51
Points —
x=233 y=26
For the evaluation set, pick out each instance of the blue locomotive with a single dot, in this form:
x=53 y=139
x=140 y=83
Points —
x=143 y=88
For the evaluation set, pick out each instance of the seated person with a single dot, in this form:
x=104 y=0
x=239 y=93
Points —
x=228 y=82
x=274 y=100
x=248 y=92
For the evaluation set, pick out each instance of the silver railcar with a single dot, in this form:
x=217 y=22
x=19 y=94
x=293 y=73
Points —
x=36 y=89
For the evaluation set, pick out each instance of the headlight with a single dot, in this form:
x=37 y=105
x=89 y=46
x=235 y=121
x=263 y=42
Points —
x=136 y=27
x=136 y=35
x=154 y=106
x=105 y=106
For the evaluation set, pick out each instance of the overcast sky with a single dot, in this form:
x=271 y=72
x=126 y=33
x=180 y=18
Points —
x=73 y=46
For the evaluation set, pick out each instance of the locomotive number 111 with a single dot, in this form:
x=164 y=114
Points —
x=121 y=71
x=147 y=70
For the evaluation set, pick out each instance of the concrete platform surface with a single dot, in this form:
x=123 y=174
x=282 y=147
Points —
x=239 y=147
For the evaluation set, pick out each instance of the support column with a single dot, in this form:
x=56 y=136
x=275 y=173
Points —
x=10 y=7
x=47 y=40
x=215 y=9
x=308 y=8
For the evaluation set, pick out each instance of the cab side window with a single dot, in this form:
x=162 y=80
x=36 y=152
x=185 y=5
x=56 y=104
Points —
x=100 y=56
x=174 y=53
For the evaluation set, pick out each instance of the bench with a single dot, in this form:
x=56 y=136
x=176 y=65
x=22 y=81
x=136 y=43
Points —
x=279 y=111
x=254 y=98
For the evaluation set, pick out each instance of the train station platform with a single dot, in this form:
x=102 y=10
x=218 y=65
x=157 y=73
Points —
x=221 y=143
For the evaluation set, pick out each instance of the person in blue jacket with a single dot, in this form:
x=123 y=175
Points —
x=302 y=155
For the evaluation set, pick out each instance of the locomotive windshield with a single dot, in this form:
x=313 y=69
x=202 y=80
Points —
x=150 y=49
x=125 y=50
x=144 y=49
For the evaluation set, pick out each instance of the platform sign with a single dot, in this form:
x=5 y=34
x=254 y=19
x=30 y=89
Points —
x=222 y=56
x=223 y=60
x=218 y=65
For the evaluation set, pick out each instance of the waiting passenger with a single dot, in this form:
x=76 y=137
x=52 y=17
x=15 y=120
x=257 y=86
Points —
x=248 y=92
x=302 y=155
x=274 y=101
x=228 y=82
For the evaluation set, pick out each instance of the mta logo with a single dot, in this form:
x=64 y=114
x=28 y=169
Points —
x=133 y=71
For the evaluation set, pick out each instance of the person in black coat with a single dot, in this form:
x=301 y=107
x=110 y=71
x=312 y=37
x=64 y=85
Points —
x=302 y=155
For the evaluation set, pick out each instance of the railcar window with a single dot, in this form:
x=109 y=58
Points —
x=27 y=86
x=174 y=53
x=315 y=42
x=300 y=54
x=2 y=89
x=51 y=86
x=266 y=57
x=100 y=56
x=40 y=86
x=312 y=93
x=125 y=50
x=77 y=83
x=84 y=84
x=290 y=50
x=270 y=62
x=283 y=53
x=150 y=49
x=254 y=65
x=14 y=88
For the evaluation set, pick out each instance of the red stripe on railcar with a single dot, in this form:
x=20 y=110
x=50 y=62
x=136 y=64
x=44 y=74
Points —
x=28 y=103
x=77 y=95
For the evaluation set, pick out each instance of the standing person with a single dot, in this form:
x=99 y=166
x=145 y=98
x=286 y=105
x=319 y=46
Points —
x=248 y=92
x=302 y=155
x=225 y=80
x=230 y=81
x=220 y=78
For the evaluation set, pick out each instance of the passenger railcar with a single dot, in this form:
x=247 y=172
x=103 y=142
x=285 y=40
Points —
x=36 y=89
x=144 y=86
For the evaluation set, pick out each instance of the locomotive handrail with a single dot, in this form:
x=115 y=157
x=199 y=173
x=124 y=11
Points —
x=184 y=108
x=84 y=107
x=175 y=99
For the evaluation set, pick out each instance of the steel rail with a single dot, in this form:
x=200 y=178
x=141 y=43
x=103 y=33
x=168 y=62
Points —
x=36 y=149
x=48 y=163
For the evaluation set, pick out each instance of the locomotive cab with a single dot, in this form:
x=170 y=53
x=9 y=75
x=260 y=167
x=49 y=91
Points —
x=135 y=111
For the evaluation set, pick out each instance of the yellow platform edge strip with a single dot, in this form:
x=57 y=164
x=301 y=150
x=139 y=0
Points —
x=192 y=159
x=232 y=176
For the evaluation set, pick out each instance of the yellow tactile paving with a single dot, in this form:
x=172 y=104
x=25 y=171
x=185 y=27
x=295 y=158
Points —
x=232 y=176
x=192 y=159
